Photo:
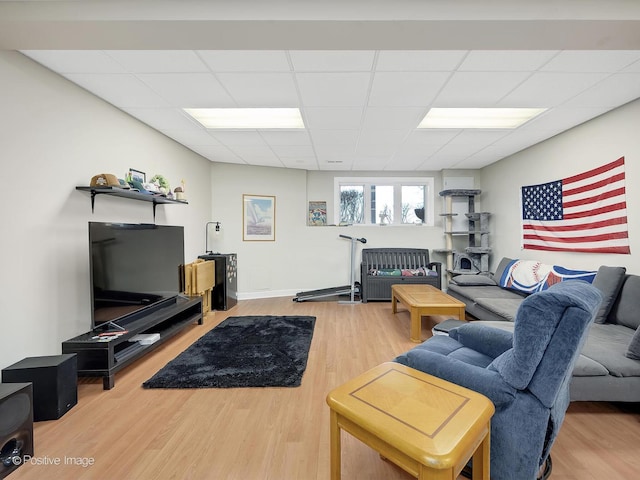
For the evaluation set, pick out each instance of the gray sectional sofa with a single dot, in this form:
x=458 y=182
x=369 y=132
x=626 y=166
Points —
x=609 y=365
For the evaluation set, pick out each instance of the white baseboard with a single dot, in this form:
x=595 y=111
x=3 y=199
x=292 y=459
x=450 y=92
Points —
x=267 y=294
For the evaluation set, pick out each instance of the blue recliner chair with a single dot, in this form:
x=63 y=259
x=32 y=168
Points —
x=525 y=373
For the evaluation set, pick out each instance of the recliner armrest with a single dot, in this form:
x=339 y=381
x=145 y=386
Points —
x=487 y=340
x=482 y=380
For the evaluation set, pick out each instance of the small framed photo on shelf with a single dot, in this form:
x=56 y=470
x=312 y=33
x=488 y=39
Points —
x=258 y=218
x=317 y=213
x=137 y=176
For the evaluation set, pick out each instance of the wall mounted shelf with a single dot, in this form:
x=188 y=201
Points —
x=130 y=194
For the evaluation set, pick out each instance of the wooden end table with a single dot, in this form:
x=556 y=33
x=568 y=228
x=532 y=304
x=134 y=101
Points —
x=424 y=300
x=427 y=426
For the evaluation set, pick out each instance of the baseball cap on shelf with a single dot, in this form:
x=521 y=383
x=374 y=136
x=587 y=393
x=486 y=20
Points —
x=136 y=185
x=105 y=180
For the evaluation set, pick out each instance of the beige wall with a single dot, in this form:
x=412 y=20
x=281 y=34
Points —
x=302 y=257
x=54 y=136
x=587 y=146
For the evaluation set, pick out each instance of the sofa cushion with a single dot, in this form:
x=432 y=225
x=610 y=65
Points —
x=473 y=280
x=607 y=344
x=504 y=263
x=504 y=307
x=625 y=309
x=609 y=281
x=587 y=367
x=476 y=292
x=634 y=346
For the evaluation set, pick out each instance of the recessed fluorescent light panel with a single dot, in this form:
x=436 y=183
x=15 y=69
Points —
x=242 y=118
x=478 y=117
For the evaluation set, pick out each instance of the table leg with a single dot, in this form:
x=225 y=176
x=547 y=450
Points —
x=426 y=473
x=416 y=325
x=461 y=314
x=335 y=447
x=394 y=303
x=481 y=458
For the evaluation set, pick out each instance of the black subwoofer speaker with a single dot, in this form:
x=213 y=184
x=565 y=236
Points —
x=16 y=425
x=55 y=383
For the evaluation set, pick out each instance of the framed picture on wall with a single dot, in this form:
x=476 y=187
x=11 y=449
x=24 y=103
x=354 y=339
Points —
x=258 y=218
x=137 y=176
x=317 y=213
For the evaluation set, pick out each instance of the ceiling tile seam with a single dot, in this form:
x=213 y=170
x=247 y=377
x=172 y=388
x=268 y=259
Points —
x=451 y=72
x=426 y=110
x=303 y=112
x=372 y=74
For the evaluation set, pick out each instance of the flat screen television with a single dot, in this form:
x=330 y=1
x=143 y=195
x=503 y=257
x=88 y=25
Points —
x=132 y=267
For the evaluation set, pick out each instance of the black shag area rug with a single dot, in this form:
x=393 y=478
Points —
x=252 y=351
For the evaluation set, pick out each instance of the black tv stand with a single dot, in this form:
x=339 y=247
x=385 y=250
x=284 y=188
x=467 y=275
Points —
x=97 y=358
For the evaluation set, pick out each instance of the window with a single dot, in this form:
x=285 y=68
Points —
x=380 y=201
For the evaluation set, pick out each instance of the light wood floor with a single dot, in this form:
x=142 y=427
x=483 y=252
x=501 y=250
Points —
x=280 y=433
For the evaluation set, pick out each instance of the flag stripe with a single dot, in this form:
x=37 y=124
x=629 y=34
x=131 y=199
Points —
x=592 y=186
x=595 y=198
x=581 y=238
x=596 y=211
x=622 y=250
x=569 y=228
x=596 y=171
x=582 y=213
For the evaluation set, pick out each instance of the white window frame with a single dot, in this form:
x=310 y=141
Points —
x=397 y=183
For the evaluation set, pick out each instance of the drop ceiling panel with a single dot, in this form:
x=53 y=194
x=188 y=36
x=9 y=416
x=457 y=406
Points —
x=188 y=90
x=292 y=151
x=265 y=161
x=245 y=60
x=347 y=138
x=332 y=61
x=436 y=163
x=550 y=89
x=437 y=137
x=253 y=151
x=260 y=89
x=121 y=90
x=217 y=154
x=611 y=92
x=192 y=137
x=333 y=89
x=406 y=89
x=239 y=138
x=76 y=61
x=590 y=61
x=331 y=118
x=563 y=118
x=273 y=137
x=393 y=118
x=359 y=107
x=370 y=162
x=478 y=89
x=327 y=153
x=162 y=118
x=305 y=163
x=412 y=151
x=158 y=61
x=634 y=67
x=505 y=60
x=419 y=61
x=408 y=162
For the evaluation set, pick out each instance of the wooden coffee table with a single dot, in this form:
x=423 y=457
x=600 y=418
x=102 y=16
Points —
x=424 y=300
x=427 y=426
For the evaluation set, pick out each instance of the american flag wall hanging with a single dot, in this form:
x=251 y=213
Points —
x=583 y=213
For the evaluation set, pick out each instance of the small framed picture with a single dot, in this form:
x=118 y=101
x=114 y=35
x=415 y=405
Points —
x=258 y=218
x=137 y=176
x=317 y=213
